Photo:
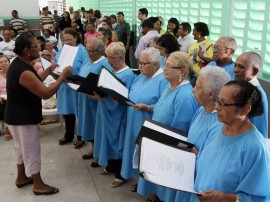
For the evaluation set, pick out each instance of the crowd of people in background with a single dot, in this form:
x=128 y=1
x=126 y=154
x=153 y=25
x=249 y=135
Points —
x=186 y=82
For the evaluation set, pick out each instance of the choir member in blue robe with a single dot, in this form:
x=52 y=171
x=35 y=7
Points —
x=247 y=67
x=67 y=98
x=87 y=107
x=175 y=108
x=111 y=119
x=206 y=90
x=223 y=51
x=234 y=164
x=145 y=92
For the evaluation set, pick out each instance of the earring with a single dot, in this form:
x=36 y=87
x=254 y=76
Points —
x=180 y=78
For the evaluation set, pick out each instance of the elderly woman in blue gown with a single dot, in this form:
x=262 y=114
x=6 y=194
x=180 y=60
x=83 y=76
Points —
x=145 y=91
x=208 y=86
x=111 y=119
x=175 y=108
x=87 y=107
x=234 y=164
x=67 y=98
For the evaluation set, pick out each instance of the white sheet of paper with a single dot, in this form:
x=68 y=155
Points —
x=163 y=130
x=45 y=63
x=167 y=166
x=106 y=80
x=49 y=80
x=67 y=57
x=73 y=86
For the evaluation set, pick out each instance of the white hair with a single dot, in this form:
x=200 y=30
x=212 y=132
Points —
x=153 y=53
x=214 y=78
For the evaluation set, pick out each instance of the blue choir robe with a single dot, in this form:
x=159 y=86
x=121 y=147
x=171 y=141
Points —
x=261 y=122
x=234 y=164
x=162 y=62
x=87 y=107
x=175 y=108
x=67 y=98
x=111 y=124
x=197 y=134
x=143 y=90
x=228 y=68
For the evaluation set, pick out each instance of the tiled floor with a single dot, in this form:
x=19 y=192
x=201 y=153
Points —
x=63 y=167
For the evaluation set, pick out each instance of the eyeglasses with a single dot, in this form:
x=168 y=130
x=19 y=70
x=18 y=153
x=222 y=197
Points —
x=144 y=63
x=68 y=40
x=218 y=49
x=224 y=106
x=43 y=55
x=91 y=52
x=171 y=67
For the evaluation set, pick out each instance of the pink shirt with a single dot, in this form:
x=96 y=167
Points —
x=3 y=85
x=88 y=35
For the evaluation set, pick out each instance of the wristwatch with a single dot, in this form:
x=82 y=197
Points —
x=237 y=198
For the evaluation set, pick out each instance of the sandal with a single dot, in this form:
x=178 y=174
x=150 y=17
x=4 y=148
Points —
x=87 y=156
x=133 y=188
x=94 y=164
x=52 y=190
x=8 y=137
x=104 y=172
x=78 y=145
x=117 y=183
x=64 y=141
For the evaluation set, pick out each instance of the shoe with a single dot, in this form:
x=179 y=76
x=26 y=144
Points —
x=52 y=190
x=104 y=172
x=64 y=141
x=78 y=145
x=133 y=188
x=87 y=156
x=117 y=183
x=26 y=183
x=94 y=164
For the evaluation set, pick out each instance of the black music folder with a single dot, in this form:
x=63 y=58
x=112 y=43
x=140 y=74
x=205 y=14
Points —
x=114 y=87
x=164 y=134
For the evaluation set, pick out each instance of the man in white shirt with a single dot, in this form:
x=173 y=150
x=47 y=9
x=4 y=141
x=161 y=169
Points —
x=71 y=12
x=185 y=40
x=7 y=46
x=149 y=33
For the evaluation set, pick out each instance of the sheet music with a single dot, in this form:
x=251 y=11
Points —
x=45 y=63
x=106 y=80
x=67 y=57
x=163 y=130
x=167 y=166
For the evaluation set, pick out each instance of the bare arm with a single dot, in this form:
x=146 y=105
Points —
x=34 y=85
x=47 y=71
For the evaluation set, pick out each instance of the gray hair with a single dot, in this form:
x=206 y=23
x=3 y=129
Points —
x=254 y=59
x=116 y=48
x=215 y=78
x=98 y=43
x=153 y=54
x=230 y=42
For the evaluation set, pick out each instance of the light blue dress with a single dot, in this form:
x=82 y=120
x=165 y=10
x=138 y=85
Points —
x=197 y=134
x=111 y=124
x=87 y=107
x=67 y=98
x=175 y=108
x=261 y=122
x=143 y=90
x=234 y=164
x=228 y=68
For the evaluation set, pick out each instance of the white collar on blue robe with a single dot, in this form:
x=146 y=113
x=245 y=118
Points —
x=183 y=83
x=97 y=61
x=254 y=82
x=121 y=70
x=159 y=71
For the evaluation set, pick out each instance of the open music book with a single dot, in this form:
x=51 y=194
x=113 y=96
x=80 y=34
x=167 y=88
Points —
x=114 y=87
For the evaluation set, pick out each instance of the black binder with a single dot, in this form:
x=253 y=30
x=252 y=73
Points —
x=163 y=137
